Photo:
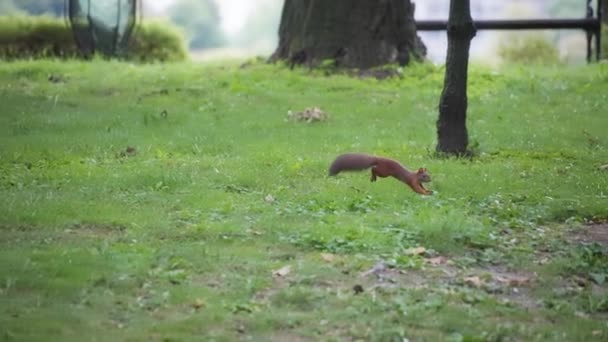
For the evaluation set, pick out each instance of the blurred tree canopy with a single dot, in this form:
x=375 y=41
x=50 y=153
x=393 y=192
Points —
x=35 y=7
x=568 y=8
x=260 y=31
x=200 y=20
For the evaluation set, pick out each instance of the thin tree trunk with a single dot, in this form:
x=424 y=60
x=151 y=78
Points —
x=452 y=133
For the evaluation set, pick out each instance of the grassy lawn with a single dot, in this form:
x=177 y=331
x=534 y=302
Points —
x=177 y=202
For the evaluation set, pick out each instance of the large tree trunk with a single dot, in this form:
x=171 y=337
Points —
x=352 y=33
x=452 y=133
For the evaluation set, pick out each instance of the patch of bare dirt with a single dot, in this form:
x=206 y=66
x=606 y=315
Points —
x=384 y=276
x=17 y=227
x=95 y=230
x=281 y=336
x=515 y=287
x=505 y=284
x=32 y=234
x=595 y=232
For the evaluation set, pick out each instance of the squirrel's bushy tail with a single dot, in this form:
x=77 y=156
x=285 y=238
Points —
x=351 y=162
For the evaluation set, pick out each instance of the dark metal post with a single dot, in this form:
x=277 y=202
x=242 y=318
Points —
x=589 y=33
x=598 y=35
x=115 y=44
x=90 y=26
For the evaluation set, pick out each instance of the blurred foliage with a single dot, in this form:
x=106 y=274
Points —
x=28 y=37
x=260 y=31
x=567 y=8
x=35 y=7
x=7 y=6
x=23 y=37
x=200 y=20
x=530 y=48
x=158 y=41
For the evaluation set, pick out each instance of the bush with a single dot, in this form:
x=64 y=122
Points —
x=28 y=37
x=35 y=37
x=157 y=41
x=528 y=48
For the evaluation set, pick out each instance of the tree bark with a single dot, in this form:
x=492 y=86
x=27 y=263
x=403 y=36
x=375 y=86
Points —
x=352 y=33
x=452 y=133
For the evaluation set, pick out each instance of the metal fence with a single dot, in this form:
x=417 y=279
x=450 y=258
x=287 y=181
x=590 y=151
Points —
x=591 y=24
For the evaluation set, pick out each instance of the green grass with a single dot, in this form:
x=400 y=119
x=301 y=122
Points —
x=180 y=241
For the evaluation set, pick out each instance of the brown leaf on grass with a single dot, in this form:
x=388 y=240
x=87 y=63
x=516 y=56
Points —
x=328 y=257
x=473 y=281
x=281 y=272
x=415 y=251
x=436 y=261
x=253 y=232
x=513 y=280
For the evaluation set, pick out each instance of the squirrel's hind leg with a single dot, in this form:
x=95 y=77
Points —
x=373 y=177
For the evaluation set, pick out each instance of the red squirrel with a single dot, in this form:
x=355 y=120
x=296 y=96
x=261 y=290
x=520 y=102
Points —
x=381 y=167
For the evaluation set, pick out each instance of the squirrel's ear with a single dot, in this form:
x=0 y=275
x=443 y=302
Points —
x=421 y=170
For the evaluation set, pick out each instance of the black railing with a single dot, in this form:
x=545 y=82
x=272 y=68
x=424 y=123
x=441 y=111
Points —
x=591 y=24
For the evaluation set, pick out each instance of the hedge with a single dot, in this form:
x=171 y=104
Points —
x=30 y=37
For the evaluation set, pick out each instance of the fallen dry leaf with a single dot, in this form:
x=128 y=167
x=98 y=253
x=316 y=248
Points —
x=513 y=280
x=254 y=232
x=328 y=257
x=473 y=281
x=378 y=268
x=440 y=260
x=281 y=272
x=308 y=115
x=415 y=251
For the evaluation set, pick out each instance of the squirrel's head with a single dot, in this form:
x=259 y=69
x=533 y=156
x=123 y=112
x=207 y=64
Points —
x=423 y=176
